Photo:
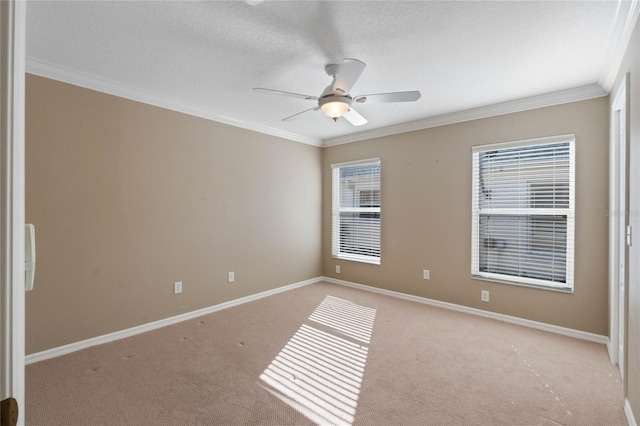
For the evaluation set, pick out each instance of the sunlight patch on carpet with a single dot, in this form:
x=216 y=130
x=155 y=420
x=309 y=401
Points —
x=345 y=317
x=319 y=371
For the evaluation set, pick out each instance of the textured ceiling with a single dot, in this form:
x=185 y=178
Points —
x=205 y=57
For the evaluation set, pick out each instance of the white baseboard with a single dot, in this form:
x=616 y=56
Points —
x=629 y=413
x=73 y=347
x=479 y=312
x=99 y=340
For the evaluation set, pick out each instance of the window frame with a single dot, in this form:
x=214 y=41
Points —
x=569 y=213
x=336 y=209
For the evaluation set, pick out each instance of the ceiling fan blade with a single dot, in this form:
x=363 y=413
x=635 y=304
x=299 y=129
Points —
x=289 y=94
x=377 y=98
x=353 y=117
x=291 y=117
x=347 y=76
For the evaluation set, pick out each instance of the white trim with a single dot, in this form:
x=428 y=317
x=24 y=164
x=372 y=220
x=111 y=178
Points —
x=12 y=129
x=66 y=75
x=619 y=103
x=545 y=143
x=371 y=260
x=625 y=22
x=356 y=163
x=107 y=338
x=629 y=413
x=518 y=281
x=56 y=72
x=336 y=209
x=550 y=99
x=129 y=332
x=570 y=137
x=583 y=335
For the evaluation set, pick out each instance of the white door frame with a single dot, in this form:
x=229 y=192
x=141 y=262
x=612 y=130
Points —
x=618 y=222
x=12 y=129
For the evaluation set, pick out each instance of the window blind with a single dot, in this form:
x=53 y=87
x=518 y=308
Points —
x=356 y=211
x=523 y=212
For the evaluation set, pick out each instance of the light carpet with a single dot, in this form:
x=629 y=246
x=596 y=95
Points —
x=328 y=354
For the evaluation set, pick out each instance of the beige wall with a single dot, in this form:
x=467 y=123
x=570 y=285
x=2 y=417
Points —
x=631 y=65
x=426 y=214
x=128 y=198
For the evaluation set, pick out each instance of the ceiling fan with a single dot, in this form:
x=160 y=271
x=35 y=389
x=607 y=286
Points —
x=335 y=101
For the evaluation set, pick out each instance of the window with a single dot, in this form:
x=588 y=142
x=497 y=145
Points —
x=523 y=212
x=356 y=211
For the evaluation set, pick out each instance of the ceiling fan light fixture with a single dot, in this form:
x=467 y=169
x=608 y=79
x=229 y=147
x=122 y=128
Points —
x=335 y=106
x=335 y=100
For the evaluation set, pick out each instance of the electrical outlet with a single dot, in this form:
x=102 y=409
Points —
x=337 y=269
x=232 y=277
x=177 y=287
x=426 y=274
x=484 y=295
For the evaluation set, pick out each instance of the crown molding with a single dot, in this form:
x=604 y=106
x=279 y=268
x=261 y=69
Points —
x=556 y=98
x=625 y=22
x=66 y=75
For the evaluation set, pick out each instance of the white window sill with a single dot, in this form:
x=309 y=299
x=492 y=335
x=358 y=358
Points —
x=558 y=289
x=361 y=259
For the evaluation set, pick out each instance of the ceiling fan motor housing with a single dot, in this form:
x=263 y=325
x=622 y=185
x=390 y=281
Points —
x=332 y=69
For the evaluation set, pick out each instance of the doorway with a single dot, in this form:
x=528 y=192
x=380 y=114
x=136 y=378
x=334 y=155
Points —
x=12 y=128
x=620 y=235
